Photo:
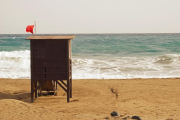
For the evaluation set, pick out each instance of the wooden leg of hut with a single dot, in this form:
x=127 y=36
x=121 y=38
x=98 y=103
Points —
x=32 y=91
x=54 y=88
x=71 y=78
x=36 y=91
x=68 y=89
x=40 y=91
x=71 y=88
x=56 y=85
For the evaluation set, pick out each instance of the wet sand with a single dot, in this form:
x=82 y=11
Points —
x=151 y=99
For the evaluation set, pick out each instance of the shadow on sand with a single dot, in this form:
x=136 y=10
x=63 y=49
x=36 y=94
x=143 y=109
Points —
x=25 y=97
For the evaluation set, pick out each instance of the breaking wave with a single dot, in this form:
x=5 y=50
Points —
x=16 y=64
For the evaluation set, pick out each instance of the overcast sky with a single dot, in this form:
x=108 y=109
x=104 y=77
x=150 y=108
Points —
x=90 y=16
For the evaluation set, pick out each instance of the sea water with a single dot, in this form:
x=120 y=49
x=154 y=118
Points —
x=102 y=56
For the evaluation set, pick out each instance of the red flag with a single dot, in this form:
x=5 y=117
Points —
x=29 y=28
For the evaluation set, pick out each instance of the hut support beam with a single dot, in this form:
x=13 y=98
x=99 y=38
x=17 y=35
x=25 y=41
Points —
x=36 y=92
x=34 y=88
x=70 y=87
x=61 y=86
x=32 y=91
x=63 y=83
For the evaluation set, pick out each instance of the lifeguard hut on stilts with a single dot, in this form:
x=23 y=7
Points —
x=51 y=64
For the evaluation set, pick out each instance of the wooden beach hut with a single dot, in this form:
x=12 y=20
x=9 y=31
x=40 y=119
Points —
x=51 y=64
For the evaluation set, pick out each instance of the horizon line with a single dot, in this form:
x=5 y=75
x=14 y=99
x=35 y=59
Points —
x=86 y=33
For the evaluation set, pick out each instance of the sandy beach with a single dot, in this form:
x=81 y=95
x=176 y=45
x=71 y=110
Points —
x=151 y=99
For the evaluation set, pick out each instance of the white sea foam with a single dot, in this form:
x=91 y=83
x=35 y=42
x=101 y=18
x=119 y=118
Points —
x=127 y=67
x=16 y=64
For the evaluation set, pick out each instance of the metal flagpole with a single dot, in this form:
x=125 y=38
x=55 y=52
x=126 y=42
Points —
x=35 y=27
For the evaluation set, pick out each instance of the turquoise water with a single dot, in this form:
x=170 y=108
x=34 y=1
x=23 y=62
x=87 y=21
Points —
x=102 y=56
x=126 y=44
